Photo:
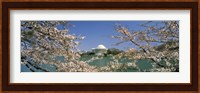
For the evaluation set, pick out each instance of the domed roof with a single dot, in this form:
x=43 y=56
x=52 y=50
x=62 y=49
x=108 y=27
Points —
x=101 y=47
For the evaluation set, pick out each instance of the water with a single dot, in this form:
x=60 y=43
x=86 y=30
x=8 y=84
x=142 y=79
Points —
x=144 y=65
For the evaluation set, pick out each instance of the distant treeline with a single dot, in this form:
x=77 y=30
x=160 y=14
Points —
x=112 y=51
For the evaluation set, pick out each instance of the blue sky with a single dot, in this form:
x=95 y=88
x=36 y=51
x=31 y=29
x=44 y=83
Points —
x=100 y=32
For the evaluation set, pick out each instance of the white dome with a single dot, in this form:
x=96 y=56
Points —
x=101 y=47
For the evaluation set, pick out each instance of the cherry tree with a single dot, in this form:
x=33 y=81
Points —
x=42 y=42
x=158 y=42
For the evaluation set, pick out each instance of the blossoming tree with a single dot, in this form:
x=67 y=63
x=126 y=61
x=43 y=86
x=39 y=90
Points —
x=158 y=43
x=42 y=42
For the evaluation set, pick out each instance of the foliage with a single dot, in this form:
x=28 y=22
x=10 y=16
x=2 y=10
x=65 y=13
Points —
x=114 y=51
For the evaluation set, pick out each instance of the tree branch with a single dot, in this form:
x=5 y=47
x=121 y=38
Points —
x=37 y=67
